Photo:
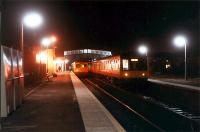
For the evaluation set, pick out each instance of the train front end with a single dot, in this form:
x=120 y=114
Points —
x=135 y=67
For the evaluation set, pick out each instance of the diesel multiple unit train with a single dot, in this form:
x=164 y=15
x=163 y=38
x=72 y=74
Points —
x=117 y=67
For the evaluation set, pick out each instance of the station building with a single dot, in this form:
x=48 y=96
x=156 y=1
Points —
x=60 y=64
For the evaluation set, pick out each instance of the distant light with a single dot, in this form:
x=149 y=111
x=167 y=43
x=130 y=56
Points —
x=142 y=49
x=134 y=59
x=53 y=39
x=126 y=74
x=180 y=41
x=66 y=60
x=58 y=61
x=143 y=74
x=32 y=20
x=167 y=66
x=41 y=57
x=46 y=41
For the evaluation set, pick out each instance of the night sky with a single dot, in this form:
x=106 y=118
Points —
x=116 y=26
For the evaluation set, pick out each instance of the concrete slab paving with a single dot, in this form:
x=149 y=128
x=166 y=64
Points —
x=175 y=83
x=52 y=107
x=95 y=116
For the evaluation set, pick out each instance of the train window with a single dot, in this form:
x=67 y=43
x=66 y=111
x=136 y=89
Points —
x=140 y=65
x=89 y=51
x=125 y=64
x=85 y=50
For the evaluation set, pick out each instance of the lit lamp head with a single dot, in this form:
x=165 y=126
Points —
x=46 y=42
x=32 y=20
x=53 y=39
x=142 y=49
x=180 y=41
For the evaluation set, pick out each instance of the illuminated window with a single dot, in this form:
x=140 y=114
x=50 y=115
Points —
x=85 y=51
x=125 y=64
x=89 y=51
x=134 y=59
x=81 y=51
x=93 y=51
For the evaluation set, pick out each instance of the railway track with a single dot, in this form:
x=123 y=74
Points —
x=156 y=114
x=177 y=110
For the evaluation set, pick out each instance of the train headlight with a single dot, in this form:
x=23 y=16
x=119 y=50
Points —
x=126 y=74
x=143 y=74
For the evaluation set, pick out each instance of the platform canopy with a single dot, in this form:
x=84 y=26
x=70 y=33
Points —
x=86 y=54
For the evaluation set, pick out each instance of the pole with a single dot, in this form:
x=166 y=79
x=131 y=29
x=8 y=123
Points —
x=22 y=38
x=40 y=75
x=185 y=61
x=47 y=58
x=22 y=45
x=147 y=63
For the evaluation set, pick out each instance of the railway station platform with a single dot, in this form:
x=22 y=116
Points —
x=62 y=105
x=193 y=84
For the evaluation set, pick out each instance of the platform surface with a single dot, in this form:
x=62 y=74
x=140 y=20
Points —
x=193 y=84
x=63 y=105
x=52 y=107
x=95 y=116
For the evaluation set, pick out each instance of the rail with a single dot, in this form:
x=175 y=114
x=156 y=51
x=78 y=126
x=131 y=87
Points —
x=126 y=106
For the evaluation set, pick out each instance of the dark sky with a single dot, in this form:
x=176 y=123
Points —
x=117 y=26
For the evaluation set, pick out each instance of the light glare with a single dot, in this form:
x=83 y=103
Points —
x=180 y=41
x=32 y=20
x=53 y=39
x=142 y=49
x=46 y=41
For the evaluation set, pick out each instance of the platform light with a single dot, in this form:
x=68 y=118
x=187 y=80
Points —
x=32 y=19
x=46 y=41
x=180 y=41
x=142 y=49
x=53 y=39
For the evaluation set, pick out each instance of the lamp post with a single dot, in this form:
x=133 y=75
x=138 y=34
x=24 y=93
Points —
x=31 y=20
x=46 y=42
x=144 y=50
x=180 y=41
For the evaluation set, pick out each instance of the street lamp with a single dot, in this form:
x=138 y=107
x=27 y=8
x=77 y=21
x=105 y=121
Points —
x=31 y=20
x=46 y=42
x=144 y=50
x=181 y=41
x=53 y=39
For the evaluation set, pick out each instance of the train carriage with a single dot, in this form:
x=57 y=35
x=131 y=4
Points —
x=122 y=67
x=80 y=68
